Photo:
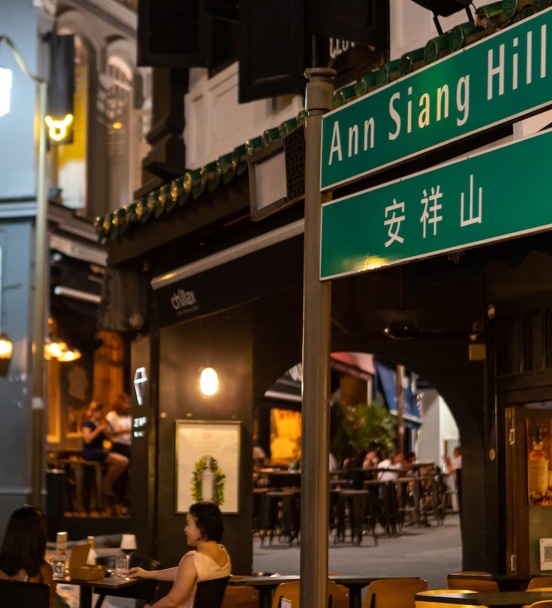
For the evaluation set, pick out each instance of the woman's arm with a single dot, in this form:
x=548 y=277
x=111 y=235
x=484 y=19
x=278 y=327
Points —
x=186 y=578
x=89 y=435
x=168 y=574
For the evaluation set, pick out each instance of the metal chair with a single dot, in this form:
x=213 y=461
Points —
x=210 y=594
x=390 y=593
x=240 y=597
x=15 y=594
x=539 y=582
x=338 y=596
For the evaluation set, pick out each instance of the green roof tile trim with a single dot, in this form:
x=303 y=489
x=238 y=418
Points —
x=389 y=71
x=366 y=83
x=411 y=61
x=194 y=183
x=345 y=95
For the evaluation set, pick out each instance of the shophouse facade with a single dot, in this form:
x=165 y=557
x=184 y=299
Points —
x=96 y=169
x=226 y=293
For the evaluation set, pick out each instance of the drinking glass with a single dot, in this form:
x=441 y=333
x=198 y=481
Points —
x=120 y=565
x=128 y=545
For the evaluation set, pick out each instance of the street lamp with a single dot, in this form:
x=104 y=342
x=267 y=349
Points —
x=39 y=304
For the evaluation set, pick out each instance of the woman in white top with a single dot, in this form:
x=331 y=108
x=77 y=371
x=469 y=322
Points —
x=120 y=424
x=210 y=559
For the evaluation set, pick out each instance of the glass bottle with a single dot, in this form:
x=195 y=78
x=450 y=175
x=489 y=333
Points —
x=207 y=481
x=537 y=469
x=91 y=559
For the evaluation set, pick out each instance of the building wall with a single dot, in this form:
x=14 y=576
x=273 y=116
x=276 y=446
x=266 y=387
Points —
x=16 y=241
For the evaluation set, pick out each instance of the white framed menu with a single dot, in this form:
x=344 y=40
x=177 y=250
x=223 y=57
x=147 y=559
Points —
x=208 y=464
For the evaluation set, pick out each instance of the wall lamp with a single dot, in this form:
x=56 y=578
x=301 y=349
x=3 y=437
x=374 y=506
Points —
x=6 y=345
x=60 y=351
x=208 y=381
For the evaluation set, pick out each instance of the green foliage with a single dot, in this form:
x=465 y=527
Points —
x=219 y=480
x=366 y=425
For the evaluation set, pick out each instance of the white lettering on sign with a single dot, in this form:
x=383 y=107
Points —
x=471 y=212
x=422 y=118
x=499 y=64
x=338 y=47
x=183 y=299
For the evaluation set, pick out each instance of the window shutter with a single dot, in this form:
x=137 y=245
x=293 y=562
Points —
x=272 y=48
x=173 y=33
x=362 y=21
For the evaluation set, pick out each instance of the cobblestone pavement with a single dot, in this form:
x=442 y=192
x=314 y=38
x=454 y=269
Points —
x=427 y=552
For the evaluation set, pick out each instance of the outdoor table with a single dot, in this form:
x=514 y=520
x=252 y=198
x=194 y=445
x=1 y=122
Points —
x=265 y=585
x=502 y=599
x=85 y=593
x=506 y=582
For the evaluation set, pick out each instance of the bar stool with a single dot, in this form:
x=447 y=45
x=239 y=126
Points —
x=80 y=470
x=354 y=502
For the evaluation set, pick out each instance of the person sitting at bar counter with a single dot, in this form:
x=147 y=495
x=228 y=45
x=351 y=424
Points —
x=22 y=556
x=95 y=430
x=210 y=560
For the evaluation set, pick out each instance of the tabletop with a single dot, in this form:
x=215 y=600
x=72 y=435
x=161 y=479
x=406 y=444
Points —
x=85 y=598
x=502 y=599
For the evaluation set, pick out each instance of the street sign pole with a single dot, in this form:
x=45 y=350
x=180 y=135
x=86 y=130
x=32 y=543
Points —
x=316 y=357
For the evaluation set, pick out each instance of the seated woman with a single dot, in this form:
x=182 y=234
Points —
x=95 y=431
x=24 y=547
x=210 y=559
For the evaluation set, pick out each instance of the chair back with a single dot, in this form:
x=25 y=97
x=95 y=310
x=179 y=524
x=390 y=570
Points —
x=338 y=595
x=17 y=594
x=240 y=597
x=542 y=604
x=441 y=604
x=209 y=594
x=470 y=580
x=393 y=592
x=539 y=582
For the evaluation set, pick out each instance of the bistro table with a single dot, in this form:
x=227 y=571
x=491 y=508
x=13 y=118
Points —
x=502 y=599
x=85 y=593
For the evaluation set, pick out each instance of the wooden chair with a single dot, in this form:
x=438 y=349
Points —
x=240 y=597
x=210 y=594
x=291 y=592
x=539 y=582
x=542 y=604
x=393 y=593
x=473 y=584
x=17 y=594
x=419 y=604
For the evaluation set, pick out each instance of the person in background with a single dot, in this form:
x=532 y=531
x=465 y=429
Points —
x=454 y=469
x=94 y=432
x=23 y=549
x=209 y=560
x=120 y=425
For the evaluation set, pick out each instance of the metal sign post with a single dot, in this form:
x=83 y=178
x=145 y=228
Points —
x=316 y=358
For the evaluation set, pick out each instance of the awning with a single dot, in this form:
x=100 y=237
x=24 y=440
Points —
x=386 y=379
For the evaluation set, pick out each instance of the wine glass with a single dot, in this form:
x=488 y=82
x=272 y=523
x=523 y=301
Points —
x=128 y=545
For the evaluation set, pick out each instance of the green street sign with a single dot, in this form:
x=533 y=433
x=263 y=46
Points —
x=485 y=197
x=498 y=79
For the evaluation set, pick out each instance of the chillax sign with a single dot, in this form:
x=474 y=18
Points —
x=485 y=197
x=500 y=78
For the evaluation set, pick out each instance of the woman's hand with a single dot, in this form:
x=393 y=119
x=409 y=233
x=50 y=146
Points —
x=138 y=573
